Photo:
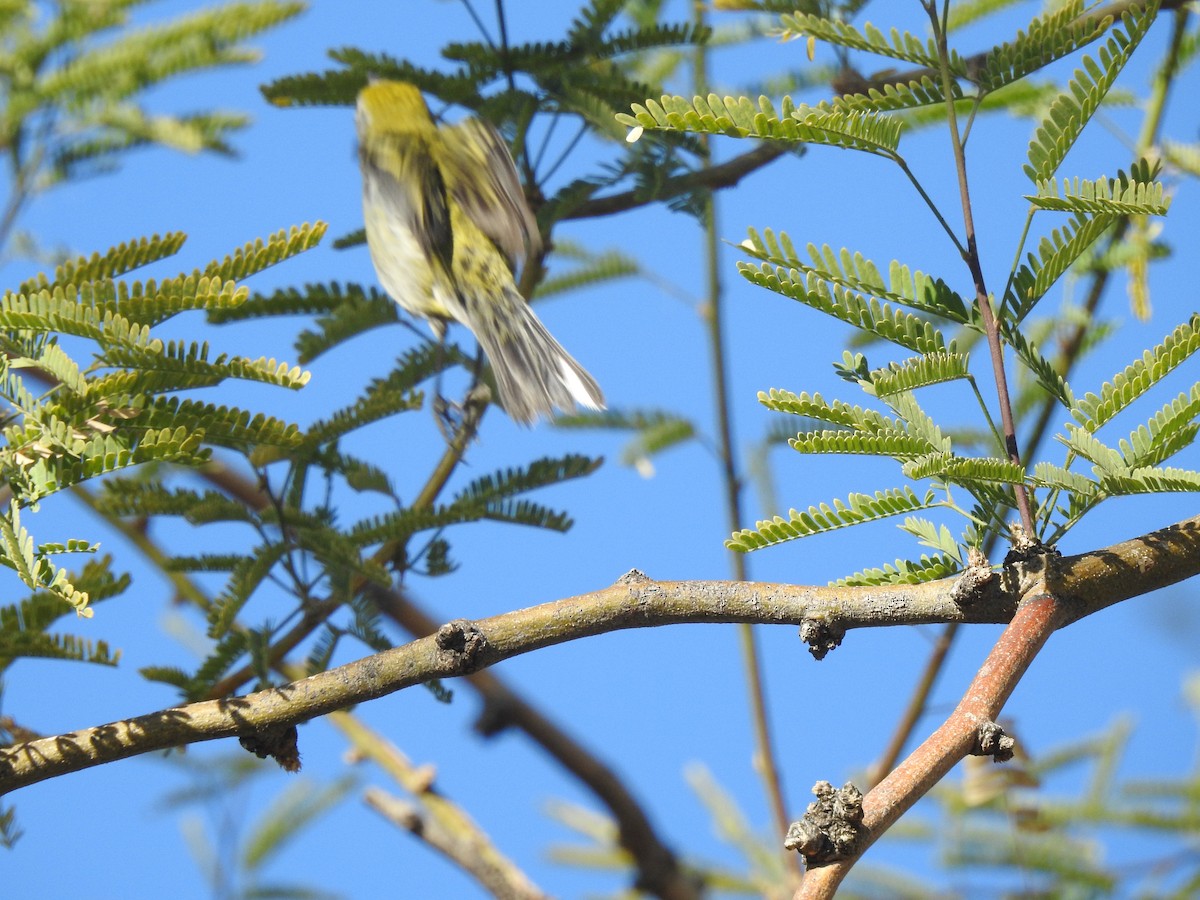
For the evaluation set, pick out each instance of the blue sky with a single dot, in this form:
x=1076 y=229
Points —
x=650 y=702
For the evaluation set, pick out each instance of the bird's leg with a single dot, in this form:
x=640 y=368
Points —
x=445 y=413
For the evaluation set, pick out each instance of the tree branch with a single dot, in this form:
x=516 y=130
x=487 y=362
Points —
x=439 y=822
x=961 y=734
x=1082 y=585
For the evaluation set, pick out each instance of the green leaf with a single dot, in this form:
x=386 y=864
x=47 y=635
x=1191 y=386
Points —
x=897 y=44
x=312 y=299
x=932 y=536
x=903 y=328
x=153 y=54
x=964 y=470
x=591 y=269
x=1046 y=39
x=1056 y=254
x=44 y=645
x=922 y=92
x=385 y=396
x=1047 y=475
x=539 y=473
x=837 y=413
x=358 y=313
x=898 y=446
x=247 y=575
x=1042 y=369
x=927 y=568
x=1166 y=433
x=1149 y=480
x=1068 y=114
x=918 y=422
x=857 y=273
x=1087 y=445
x=1092 y=411
x=857 y=509
x=127 y=497
x=920 y=371
x=115 y=261
x=869 y=132
x=1102 y=197
x=258 y=255
x=221 y=425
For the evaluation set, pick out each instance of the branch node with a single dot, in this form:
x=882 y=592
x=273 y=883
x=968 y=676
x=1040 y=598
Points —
x=634 y=577
x=1030 y=565
x=968 y=590
x=463 y=639
x=280 y=742
x=831 y=827
x=821 y=635
x=990 y=740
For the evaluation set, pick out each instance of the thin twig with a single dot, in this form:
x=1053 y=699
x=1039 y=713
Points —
x=440 y=823
x=731 y=479
x=983 y=300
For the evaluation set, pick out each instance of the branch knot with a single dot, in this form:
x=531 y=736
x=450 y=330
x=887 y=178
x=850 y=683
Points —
x=990 y=740
x=974 y=578
x=280 y=742
x=821 y=635
x=463 y=639
x=832 y=826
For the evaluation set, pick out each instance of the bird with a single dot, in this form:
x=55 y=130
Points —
x=447 y=224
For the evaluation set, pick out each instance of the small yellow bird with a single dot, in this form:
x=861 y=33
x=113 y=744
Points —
x=447 y=223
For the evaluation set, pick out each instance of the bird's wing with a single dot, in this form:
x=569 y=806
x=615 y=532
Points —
x=420 y=200
x=482 y=179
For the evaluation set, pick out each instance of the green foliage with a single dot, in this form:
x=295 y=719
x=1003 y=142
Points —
x=921 y=371
x=1102 y=197
x=741 y=117
x=74 y=86
x=905 y=329
x=1068 y=114
x=857 y=509
x=896 y=44
x=850 y=287
x=927 y=568
x=1056 y=254
x=93 y=418
x=1092 y=411
x=854 y=272
x=1044 y=40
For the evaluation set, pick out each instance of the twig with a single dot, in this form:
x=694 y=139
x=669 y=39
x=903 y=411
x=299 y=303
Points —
x=731 y=479
x=470 y=852
x=440 y=823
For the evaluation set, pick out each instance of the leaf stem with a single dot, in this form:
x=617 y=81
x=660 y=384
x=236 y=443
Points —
x=983 y=300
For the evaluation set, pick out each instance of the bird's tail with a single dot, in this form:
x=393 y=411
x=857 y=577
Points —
x=534 y=373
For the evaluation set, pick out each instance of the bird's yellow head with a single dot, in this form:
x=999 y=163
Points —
x=394 y=106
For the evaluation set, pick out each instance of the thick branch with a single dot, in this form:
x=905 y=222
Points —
x=658 y=871
x=1082 y=584
x=961 y=734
